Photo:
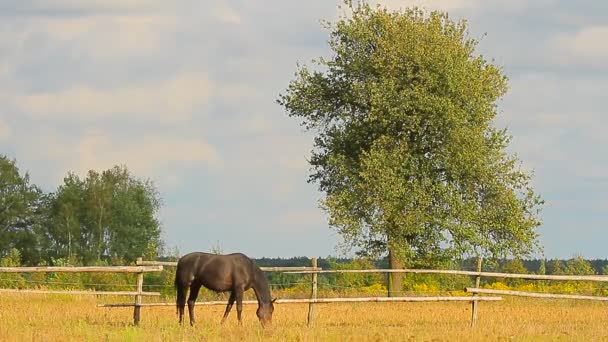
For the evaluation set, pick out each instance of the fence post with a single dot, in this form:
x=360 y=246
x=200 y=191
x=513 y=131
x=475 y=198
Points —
x=137 y=307
x=475 y=303
x=313 y=293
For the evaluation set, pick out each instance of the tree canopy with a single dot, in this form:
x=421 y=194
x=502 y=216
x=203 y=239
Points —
x=107 y=215
x=21 y=207
x=405 y=150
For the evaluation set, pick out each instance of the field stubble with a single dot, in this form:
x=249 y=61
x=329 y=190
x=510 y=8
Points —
x=74 y=318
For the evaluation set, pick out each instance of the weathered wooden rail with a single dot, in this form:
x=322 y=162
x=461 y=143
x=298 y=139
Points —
x=81 y=269
x=535 y=294
x=265 y=269
x=329 y=300
x=81 y=293
x=138 y=294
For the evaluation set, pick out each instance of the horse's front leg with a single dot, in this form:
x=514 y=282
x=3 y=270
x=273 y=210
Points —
x=228 y=306
x=239 y=303
x=192 y=300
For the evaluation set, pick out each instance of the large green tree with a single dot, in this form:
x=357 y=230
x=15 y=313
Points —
x=109 y=214
x=21 y=213
x=406 y=150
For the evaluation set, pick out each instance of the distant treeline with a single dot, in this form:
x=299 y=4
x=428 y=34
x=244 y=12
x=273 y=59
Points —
x=551 y=266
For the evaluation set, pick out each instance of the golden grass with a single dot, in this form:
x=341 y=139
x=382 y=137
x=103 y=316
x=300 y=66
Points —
x=72 y=318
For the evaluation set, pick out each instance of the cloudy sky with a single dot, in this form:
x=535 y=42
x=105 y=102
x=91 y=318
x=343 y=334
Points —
x=183 y=92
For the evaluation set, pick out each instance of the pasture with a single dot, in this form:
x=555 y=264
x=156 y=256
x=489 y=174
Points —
x=32 y=317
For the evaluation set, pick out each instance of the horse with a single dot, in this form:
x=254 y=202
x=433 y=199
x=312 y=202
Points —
x=220 y=273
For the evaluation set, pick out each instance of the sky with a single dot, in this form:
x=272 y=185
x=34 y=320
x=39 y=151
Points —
x=183 y=92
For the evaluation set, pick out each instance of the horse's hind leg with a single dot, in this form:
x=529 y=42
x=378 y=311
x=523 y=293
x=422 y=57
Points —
x=229 y=306
x=238 y=293
x=194 y=288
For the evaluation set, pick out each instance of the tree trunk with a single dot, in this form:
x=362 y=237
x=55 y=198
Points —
x=395 y=285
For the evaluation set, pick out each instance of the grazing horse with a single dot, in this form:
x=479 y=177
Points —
x=233 y=272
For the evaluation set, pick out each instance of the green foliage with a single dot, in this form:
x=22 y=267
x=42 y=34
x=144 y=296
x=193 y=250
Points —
x=106 y=215
x=435 y=283
x=109 y=215
x=405 y=149
x=11 y=280
x=556 y=287
x=542 y=269
x=21 y=213
x=514 y=266
x=160 y=282
x=353 y=280
x=578 y=266
x=555 y=267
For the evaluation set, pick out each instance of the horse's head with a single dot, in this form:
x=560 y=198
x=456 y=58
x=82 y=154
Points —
x=264 y=312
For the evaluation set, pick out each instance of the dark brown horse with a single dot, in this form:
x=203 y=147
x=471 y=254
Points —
x=233 y=272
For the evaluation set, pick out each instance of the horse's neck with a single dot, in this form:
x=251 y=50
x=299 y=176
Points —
x=260 y=287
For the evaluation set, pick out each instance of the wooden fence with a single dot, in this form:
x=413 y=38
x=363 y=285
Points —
x=138 y=294
x=479 y=274
x=313 y=270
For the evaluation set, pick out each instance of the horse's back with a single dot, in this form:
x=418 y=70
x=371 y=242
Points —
x=216 y=272
x=186 y=267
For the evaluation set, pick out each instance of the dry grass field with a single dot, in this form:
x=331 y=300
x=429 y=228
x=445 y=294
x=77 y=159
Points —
x=72 y=318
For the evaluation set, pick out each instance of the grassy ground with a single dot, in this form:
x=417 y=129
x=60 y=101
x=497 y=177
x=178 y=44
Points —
x=69 y=318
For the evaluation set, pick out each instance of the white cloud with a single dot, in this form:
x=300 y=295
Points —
x=281 y=189
x=249 y=124
x=227 y=14
x=587 y=46
x=5 y=130
x=97 y=5
x=100 y=151
x=4 y=68
x=101 y=37
x=160 y=157
x=557 y=125
x=172 y=100
x=448 y=5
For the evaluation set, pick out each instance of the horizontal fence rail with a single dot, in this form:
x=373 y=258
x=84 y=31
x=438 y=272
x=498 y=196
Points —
x=265 y=269
x=330 y=300
x=85 y=269
x=600 y=278
x=535 y=294
x=92 y=293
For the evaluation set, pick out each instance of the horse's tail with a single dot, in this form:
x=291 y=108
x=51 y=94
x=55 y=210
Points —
x=181 y=291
